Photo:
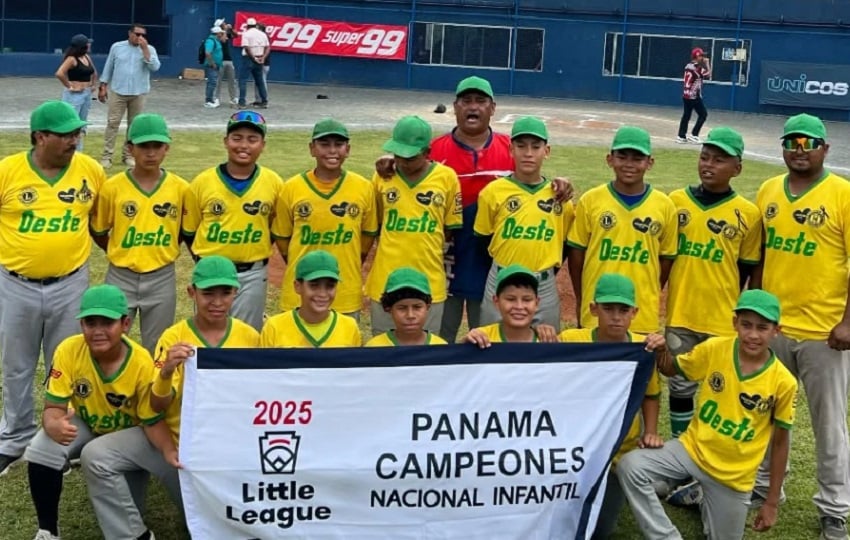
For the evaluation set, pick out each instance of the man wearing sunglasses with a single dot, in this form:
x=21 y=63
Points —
x=805 y=264
x=125 y=80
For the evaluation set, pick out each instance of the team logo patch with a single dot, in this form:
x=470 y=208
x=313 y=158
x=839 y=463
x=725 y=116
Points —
x=813 y=218
x=642 y=225
x=684 y=218
x=607 y=220
x=28 y=196
x=722 y=227
x=425 y=198
x=557 y=209
x=513 y=204
x=265 y=209
x=85 y=194
x=655 y=228
x=165 y=210
x=340 y=209
x=116 y=400
x=771 y=211
x=252 y=208
x=756 y=402
x=547 y=206
x=353 y=210
x=716 y=382
x=216 y=207
x=82 y=388
x=67 y=196
x=129 y=209
x=278 y=452
x=304 y=210
x=391 y=195
x=438 y=199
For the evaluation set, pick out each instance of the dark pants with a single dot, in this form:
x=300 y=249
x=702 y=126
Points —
x=249 y=68
x=691 y=105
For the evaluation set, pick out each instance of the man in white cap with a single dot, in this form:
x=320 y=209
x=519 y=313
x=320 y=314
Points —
x=212 y=64
x=255 y=49
x=227 y=70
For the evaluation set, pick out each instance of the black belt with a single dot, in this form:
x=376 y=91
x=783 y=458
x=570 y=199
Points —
x=44 y=281
x=244 y=267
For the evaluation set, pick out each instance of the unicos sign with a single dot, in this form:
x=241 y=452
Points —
x=805 y=85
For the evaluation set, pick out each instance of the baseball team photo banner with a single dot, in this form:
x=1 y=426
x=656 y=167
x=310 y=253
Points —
x=511 y=442
x=805 y=85
x=334 y=38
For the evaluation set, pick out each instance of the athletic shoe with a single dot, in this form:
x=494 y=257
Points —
x=832 y=528
x=242 y=106
x=6 y=462
x=686 y=495
x=216 y=102
x=693 y=139
x=210 y=104
x=681 y=140
x=263 y=105
x=43 y=534
x=757 y=500
x=106 y=163
x=234 y=101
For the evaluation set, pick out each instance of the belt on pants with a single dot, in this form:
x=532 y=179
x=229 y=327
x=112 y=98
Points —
x=541 y=276
x=241 y=267
x=45 y=281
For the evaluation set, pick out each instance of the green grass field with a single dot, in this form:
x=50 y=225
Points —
x=287 y=154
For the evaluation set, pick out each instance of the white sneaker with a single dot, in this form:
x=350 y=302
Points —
x=681 y=140
x=43 y=534
x=209 y=104
x=216 y=102
x=693 y=139
x=234 y=101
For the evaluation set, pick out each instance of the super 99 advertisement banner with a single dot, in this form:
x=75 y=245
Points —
x=512 y=442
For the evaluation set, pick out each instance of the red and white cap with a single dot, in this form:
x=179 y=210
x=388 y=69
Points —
x=696 y=51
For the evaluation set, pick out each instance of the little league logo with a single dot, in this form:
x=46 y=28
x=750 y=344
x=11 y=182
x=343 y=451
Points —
x=278 y=452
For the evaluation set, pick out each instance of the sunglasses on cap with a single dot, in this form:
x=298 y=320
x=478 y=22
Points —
x=806 y=143
x=248 y=116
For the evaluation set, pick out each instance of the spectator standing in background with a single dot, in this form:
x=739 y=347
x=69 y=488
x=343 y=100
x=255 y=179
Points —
x=212 y=64
x=258 y=102
x=227 y=70
x=255 y=48
x=79 y=76
x=698 y=69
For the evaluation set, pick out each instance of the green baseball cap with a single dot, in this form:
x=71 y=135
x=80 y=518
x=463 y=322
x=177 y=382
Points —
x=632 y=138
x=614 y=289
x=103 y=301
x=407 y=278
x=474 y=84
x=761 y=302
x=56 y=117
x=215 y=271
x=249 y=119
x=530 y=125
x=317 y=264
x=727 y=139
x=148 y=128
x=516 y=271
x=329 y=126
x=411 y=137
x=805 y=124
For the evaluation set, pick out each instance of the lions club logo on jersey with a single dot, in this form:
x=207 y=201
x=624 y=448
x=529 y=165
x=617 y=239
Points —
x=85 y=194
x=684 y=217
x=812 y=218
x=716 y=382
x=304 y=210
x=391 y=196
x=771 y=211
x=129 y=209
x=28 y=196
x=513 y=204
x=165 y=210
x=216 y=207
x=82 y=388
x=607 y=220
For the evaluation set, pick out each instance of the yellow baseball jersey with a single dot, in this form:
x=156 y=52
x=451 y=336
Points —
x=731 y=429
x=143 y=227
x=807 y=244
x=388 y=339
x=527 y=225
x=653 y=389
x=495 y=333
x=105 y=404
x=712 y=241
x=239 y=335
x=413 y=218
x=287 y=330
x=44 y=222
x=334 y=222
x=628 y=240
x=224 y=222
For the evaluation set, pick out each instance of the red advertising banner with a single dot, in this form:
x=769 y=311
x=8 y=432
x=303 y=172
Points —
x=311 y=36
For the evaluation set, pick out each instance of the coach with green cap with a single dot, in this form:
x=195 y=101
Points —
x=48 y=192
x=807 y=245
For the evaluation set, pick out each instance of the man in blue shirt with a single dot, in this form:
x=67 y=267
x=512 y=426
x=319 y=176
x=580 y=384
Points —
x=126 y=79
x=213 y=63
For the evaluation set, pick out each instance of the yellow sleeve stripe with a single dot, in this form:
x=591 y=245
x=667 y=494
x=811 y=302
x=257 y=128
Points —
x=783 y=425
x=56 y=399
x=576 y=246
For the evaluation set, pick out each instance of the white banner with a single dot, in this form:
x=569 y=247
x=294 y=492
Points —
x=450 y=442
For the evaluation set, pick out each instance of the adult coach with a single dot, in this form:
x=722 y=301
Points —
x=255 y=49
x=806 y=231
x=698 y=69
x=126 y=79
x=46 y=196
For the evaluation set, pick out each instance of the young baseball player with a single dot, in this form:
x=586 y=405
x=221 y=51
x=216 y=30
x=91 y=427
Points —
x=614 y=306
x=47 y=193
x=521 y=222
x=745 y=404
x=137 y=223
x=517 y=301
x=719 y=245
x=98 y=384
x=417 y=207
x=407 y=298
x=314 y=323
x=107 y=460
x=327 y=208
x=624 y=227
x=229 y=209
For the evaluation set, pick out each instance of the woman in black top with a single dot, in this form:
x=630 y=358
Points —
x=79 y=76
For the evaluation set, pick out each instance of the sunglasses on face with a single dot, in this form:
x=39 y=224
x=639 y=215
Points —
x=806 y=143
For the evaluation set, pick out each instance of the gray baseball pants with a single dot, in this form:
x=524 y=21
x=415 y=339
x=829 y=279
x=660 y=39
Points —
x=151 y=296
x=250 y=303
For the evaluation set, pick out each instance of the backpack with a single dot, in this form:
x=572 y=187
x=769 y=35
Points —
x=202 y=51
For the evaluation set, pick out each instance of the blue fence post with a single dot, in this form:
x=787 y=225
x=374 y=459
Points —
x=304 y=56
x=623 y=49
x=512 y=59
x=739 y=65
x=409 y=41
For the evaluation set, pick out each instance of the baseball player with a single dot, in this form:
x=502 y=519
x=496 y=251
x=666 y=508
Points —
x=106 y=461
x=314 y=323
x=522 y=223
x=407 y=298
x=137 y=222
x=418 y=206
x=46 y=196
x=624 y=227
x=327 y=208
x=228 y=211
x=517 y=301
x=806 y=249
x=99 y=383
